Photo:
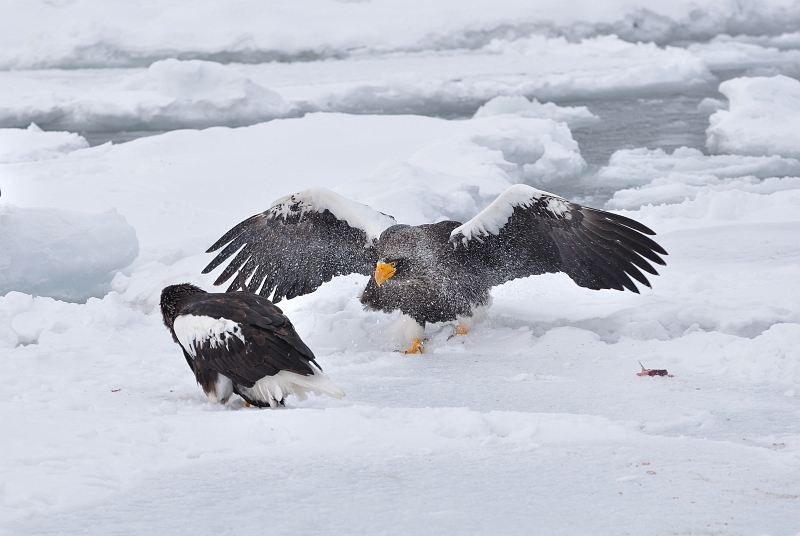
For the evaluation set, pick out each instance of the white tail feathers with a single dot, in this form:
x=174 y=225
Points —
x=273 y=389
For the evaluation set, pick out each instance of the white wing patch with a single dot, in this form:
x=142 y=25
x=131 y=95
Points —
x=357 y=215
x=193 y=331
x=559 y=207
x=494 y=217
x=273 y=389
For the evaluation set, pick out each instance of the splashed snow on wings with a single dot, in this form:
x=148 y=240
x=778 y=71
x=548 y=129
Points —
x=300 y=242
x=194 y=332
x=494 y=217
x=526 y=231
x=318 y=200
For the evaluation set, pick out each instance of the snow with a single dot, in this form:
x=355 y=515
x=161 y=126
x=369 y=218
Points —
x=92 y=33
x=643 y=176
x=438 y=167
x=492 y=219
x=32 y=143
x=166 y=95
x=434 y=82
x=572 y=115
x=727 y=53
x=534 y=422
x=762 y=117
x=357 y=215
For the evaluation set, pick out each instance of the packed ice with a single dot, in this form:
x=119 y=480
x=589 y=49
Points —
x=761 y=119
x=133 y=135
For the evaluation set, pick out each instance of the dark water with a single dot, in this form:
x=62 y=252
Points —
x=117 y=136
x=650 y=120
x=667 y=122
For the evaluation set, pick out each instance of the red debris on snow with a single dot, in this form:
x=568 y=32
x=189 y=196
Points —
x=654 y=372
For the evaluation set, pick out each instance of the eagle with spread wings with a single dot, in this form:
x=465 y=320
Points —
x=434 y=272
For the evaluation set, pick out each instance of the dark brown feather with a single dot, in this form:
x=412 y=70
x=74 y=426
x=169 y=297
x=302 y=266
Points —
x=270 y=344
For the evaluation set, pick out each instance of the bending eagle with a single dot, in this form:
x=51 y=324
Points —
x=434 y=272
x=241 y=343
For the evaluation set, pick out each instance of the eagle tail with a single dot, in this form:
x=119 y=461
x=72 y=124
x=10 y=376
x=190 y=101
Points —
x=271 y=390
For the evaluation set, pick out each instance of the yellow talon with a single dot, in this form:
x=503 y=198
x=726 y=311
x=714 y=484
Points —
x=416 y=347
x=246 y=404
x=461 y=330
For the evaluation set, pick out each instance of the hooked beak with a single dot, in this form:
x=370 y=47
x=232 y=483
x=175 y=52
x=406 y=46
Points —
x=383 y=271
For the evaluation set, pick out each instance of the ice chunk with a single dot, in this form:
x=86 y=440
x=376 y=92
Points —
x=726 y=53
x=519 y=105
x=447 y=83
x=191 y=93
x=169 y=94
x=644 y=176
x=63 y=254
x=172 y=93
x=762 y=119
x=659 y=177
x=640 y=166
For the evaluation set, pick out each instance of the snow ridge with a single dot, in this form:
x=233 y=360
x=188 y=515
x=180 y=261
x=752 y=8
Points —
x=357 y=215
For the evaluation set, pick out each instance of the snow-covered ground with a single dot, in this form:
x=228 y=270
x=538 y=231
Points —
x=682 y=115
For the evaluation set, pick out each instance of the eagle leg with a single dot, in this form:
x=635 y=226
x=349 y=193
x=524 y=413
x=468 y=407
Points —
x=417 y=347
x=460 y=330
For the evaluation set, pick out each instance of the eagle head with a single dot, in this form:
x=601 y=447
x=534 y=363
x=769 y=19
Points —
x=172 y=298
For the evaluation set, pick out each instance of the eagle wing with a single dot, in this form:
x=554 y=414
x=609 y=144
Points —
x=526 y=231
x=241 y=335
x=300 y=242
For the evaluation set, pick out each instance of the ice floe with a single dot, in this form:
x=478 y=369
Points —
x=762 y=117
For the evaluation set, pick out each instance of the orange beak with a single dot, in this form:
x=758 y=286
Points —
x=383 y=271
